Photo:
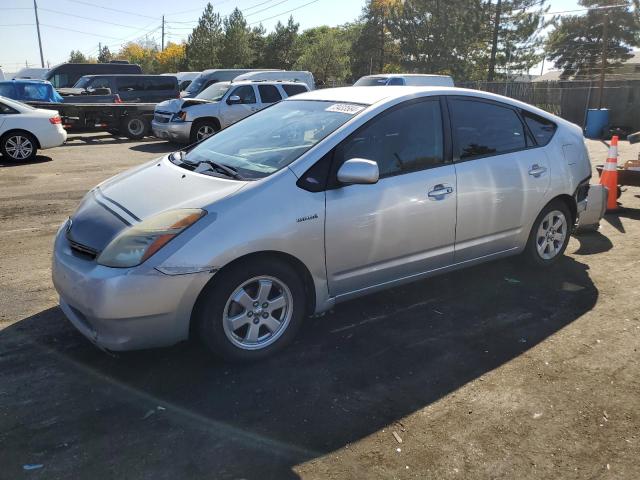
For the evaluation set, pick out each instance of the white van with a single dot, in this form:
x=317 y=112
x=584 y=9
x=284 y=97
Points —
x=412 y=79
x=281 y=75
x=184 y=78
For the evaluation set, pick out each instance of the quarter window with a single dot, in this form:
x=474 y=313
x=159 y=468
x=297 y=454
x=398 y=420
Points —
x=292 y=90
x=406 y=139
x=130 y=84
x=6 y=109
x=481 y=129
x=246 y=94
x=269 y=94
x=541 y=128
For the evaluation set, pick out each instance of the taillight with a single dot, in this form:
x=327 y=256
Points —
x=55 y=120
x=117 y=99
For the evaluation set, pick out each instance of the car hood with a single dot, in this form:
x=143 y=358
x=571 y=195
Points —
x=133 y=196
x=176 y=104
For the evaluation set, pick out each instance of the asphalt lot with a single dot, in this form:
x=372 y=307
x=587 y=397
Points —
x=492 y=372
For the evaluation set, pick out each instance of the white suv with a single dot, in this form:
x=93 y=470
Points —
x=216 y=107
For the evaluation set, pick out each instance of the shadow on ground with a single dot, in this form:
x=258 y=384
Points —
x=179 y=413
x=81 y=139
x=7 y=162
x=157 y=147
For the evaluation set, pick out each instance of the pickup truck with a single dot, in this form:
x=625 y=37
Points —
x=189 y=120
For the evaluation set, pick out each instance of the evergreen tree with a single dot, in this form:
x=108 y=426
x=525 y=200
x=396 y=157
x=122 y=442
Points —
x=257 y=42
x=76 y=56
x=204 y=43
x=104 y=55
x=280 y=45
x=236 y=51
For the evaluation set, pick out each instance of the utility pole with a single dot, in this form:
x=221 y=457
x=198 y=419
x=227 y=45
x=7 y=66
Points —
x=494 y=43
x=603 y=69
x=99 y=50
x=35 y=9
x=163 y=33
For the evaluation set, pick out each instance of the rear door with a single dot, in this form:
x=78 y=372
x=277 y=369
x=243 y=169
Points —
x=269 y=94
x=502 y=177
x=130 y=88
x=158 y=89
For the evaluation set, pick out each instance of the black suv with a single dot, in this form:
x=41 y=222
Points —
x=128 y=88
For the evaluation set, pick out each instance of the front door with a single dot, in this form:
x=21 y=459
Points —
x=237 y=111
x=502 y=180
x=404 y=225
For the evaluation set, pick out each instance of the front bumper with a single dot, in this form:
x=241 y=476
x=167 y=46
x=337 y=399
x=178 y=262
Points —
x=124 y=309
x=172 y=131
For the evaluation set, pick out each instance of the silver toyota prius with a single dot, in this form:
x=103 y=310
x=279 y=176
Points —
x=320 y=198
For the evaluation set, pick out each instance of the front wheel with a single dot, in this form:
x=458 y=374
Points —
x=202 y=129
x=251 y=310
x=20 y=146
x=549 y=235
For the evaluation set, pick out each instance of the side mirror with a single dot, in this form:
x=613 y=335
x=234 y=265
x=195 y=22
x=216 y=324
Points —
x=358 y=171
x=234 y=100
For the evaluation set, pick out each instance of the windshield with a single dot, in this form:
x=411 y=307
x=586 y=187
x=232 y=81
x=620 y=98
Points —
x=271 y=139
x=214 y=92
x=371 y=81
x=82 y=83
x=197 y=84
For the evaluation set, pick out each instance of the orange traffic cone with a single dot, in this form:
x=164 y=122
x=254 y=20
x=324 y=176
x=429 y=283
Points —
x=609 y=177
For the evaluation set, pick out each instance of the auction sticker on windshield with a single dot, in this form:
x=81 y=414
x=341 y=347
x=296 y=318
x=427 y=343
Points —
x=345 y=108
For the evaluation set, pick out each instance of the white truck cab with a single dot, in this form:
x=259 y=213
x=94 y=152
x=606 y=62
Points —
x=218 y=106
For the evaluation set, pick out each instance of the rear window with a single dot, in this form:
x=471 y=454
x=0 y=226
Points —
x=166 y=83
x=292 y=90
x=130 y=84
x=541 y=128
x=269 y=94
x=6 y=90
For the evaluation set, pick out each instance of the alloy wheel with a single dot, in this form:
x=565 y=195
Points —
x=551 y=234
x=205 y=131
x=19 y=147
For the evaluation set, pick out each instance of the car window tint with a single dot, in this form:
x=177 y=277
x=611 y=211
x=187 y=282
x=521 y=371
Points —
x=407 y=139
x=130 y=84
x=292 y=90
x=396 y=81
x=6 y=109
x=269 y=94
x=541 y=128
x=99 y=83
x=160 y=84
x=481 y=129
x=246 y=94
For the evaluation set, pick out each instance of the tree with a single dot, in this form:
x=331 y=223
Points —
x=576 y=42
x=204 y=43
x=172 y=58
x=76 y=56
x=104 y=55
x=236 y=51
x=280 y=45
x=257 y=43
x=324 y=52
x=143 y=53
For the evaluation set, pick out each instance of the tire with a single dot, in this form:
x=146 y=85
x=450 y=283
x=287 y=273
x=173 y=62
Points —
x=202 y=129
x=19 y=146
x=547 y=243
x=135 y=128
x=260 y=329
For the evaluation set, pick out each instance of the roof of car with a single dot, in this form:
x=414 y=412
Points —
x=266 y=82
x=394 y=75
x=26 y=80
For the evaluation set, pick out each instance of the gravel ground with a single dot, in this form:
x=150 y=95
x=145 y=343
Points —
x=492 y=372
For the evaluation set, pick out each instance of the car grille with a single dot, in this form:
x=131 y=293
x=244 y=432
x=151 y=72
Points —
x=82 y=250
x=161 y=118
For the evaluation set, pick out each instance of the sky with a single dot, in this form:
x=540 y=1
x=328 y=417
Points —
x=67 y=25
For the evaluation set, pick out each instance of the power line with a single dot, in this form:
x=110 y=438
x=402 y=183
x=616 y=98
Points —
x=283 y=13
x=257 y=5
x=88 y=18
x=77 y=31
x=109 y=8
x=266 y=8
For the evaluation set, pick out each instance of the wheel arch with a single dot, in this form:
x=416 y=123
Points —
x=293 y=261
x=215 y=120
x=570 y=202
x=21 y=130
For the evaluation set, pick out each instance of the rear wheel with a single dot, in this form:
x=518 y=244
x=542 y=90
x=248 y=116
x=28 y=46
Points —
x=19 y=146
x=202 y=129
x=251 y=310
x=549 y=235
x=135 y=127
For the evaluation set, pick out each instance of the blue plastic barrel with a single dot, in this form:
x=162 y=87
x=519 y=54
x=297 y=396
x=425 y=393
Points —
x=597 y=120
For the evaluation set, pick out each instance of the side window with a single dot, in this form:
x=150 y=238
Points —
x=6 y=109
x=100 y=83
x=34 y=92
x=130 y=84
x=481 y=129
x=59 y=80
x=396 y=81
x=269 y=94
x=406 y=139
x=541 y=128
x=160 y=84
x=246 y=94
x=292 y=90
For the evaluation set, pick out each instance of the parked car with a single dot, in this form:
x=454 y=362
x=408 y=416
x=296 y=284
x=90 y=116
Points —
x=66 y=75
x=411 y=79
x=217 y=107
x=30 y=73
x=280 y=75
x=24 y=130
x=209 y=77
x=29 y=91
x=320 y=198
x=184 y=78
x=122 y=88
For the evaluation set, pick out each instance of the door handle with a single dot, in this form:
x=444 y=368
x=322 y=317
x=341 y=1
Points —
x=440 y=191
x=536 y=170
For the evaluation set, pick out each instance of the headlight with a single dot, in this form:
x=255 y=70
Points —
x=134 y=245
x=179 y=117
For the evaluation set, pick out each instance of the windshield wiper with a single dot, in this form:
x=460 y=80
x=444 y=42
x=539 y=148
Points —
x=220 y=167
